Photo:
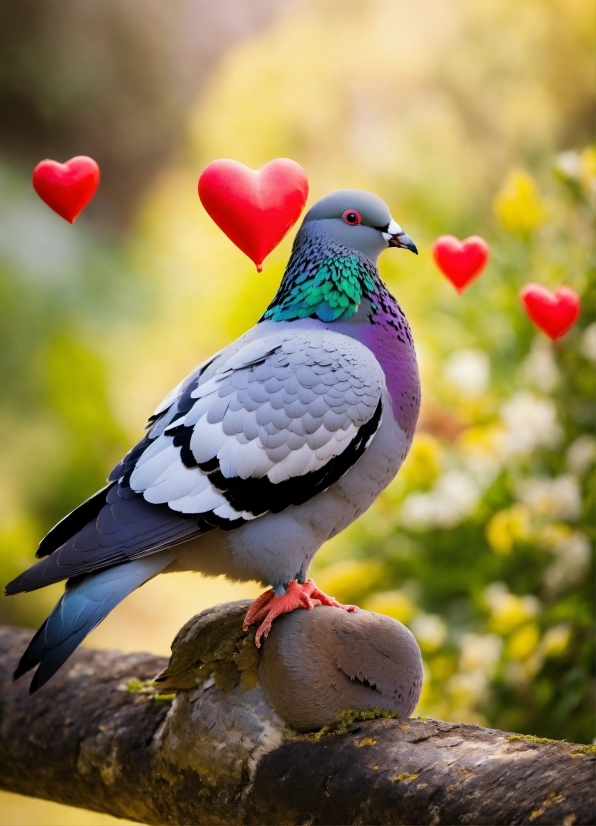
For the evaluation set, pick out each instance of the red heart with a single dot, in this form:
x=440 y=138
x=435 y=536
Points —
x=254 y=209
x=461 y=261
x=67 y=187
x=554 y=313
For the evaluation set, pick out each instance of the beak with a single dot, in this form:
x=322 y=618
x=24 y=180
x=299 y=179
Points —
x=396 y=237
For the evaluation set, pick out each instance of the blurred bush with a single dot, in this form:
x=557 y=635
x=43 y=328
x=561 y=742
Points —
x=113 y=79
x=468 y=119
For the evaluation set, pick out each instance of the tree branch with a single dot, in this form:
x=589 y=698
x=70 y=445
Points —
x=219 y=753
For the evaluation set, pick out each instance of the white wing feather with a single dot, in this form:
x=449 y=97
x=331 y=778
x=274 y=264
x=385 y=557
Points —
x=280 y=407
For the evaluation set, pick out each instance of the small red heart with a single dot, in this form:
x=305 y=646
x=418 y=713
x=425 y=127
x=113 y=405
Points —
x=255 y=209
x=461 y=261
x=67 y=187
x=554 y=313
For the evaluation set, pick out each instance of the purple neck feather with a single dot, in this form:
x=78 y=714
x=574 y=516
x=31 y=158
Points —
x=384 y=329
x=398 y=360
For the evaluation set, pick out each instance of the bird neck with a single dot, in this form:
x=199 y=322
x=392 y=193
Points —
x=342 y=288
x=325 y=280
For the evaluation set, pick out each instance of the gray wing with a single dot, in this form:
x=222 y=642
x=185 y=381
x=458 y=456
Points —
x=265 y=424
x=269 y=425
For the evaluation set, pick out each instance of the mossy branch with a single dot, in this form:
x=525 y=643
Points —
x=98 y=737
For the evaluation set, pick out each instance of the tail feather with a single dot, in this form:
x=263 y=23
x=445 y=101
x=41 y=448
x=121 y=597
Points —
x=86 y=601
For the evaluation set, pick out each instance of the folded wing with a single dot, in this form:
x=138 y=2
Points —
x=270 y=426
x=262 y=426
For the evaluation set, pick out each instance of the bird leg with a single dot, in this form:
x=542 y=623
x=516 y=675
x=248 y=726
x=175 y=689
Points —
x=297 y=595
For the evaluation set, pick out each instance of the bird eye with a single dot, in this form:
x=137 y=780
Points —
x=352 y=217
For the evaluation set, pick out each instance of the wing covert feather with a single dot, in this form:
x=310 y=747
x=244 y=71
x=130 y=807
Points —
x=265 y=424
x=276 y=410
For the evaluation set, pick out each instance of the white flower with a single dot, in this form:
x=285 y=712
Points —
x=569 y=164
x=430 y=631
x=480 y=651
x=587 y=345
x=418 y=511
x=483 y=465
x=468 y=687
x=469 y=371
x=540 y=368
x=558 y=498
x=530 y=422
x=495 y=594
x=458 y=491
x=572 y=559
x=581 y=455
x=454 y=498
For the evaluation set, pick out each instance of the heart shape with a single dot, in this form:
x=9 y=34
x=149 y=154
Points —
x=67 y=187
x=554 y=313
x=255 y=209
x=461 y=261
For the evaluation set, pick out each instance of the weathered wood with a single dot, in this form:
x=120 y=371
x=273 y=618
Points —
x=423 y=772
x=224 y=756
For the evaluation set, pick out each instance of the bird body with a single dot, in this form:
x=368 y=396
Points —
x=267 y=450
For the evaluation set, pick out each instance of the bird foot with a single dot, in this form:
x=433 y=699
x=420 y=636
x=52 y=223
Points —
x=268 y=607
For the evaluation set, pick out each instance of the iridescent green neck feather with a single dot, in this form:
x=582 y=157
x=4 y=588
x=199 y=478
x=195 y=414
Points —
x=322 y=282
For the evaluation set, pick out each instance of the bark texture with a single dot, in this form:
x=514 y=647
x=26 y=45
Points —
x=219 y=753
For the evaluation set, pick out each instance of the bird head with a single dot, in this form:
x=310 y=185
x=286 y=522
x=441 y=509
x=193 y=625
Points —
x=360 y=221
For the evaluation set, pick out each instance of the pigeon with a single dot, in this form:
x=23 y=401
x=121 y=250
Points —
x=264 y=452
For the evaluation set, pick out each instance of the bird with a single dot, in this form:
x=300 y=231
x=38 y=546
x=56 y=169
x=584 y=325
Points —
x=268 y=449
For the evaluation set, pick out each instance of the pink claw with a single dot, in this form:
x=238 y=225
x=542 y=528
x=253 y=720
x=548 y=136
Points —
x=267 y=607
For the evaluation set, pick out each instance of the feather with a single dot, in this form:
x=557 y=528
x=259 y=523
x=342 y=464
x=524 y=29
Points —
x=146 y=473
x=84 y=604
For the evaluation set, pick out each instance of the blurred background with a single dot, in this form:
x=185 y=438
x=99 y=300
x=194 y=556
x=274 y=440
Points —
x=467 y=118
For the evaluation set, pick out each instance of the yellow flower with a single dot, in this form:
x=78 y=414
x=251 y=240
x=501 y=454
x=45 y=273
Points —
x=523 y=642
x=422 y=466
x=518 y=204
x=396 y=604
x=556 y=640
x=507 y=526
x=553 y=535
x=346 y=580
x=509 y=611
x=479 y=439
x=588 y=170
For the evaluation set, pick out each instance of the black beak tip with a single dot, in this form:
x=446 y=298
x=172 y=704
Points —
x=404 y=242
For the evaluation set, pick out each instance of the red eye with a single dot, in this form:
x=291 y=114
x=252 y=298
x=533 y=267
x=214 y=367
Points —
x=352 y=217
